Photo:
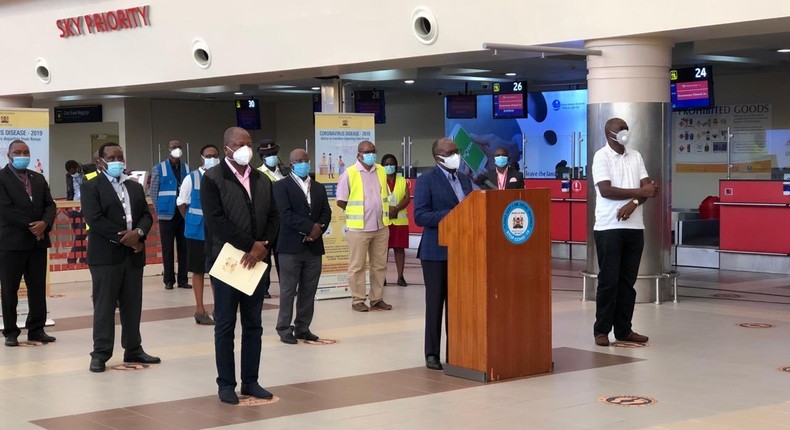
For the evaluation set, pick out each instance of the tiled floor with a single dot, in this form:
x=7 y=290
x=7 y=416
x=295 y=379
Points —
x=704 y=371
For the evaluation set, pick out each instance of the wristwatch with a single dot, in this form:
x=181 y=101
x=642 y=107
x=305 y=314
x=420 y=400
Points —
x=140 y=232
x=635 y=201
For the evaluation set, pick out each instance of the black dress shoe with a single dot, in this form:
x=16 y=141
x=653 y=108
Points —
x=141 y=358
x=11 y=341
x=256 y=390
x=307 y=335
x=433 y=363
x=185 y=286
x=267 y=296
x=228 y=395
x=40 y=337
x=97 y=365
x=169 y=286
x=288 y=338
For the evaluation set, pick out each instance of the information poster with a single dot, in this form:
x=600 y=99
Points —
x=336 y=139
x=699 y=139
x=32 y=127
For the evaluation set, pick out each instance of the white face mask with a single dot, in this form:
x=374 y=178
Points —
x=452 y=162
x=176 y=153
x=243 y=155
x=210 y=162
x=622 y=137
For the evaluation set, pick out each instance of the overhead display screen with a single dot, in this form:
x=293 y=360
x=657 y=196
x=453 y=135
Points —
x=248 y=114
x=691 y=88
x=510 y=100
x=461 y=107
x=371 y=101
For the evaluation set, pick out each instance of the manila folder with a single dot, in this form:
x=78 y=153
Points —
x=229 y=270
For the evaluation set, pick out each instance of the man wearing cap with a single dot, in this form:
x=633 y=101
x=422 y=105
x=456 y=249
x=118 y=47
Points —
x=273 y=168
x=166 y=178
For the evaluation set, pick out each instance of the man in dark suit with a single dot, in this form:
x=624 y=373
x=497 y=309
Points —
x=436 y=193
x=304 y=217
x=502 y=177
x=27 y=212
x=115 y=208
x=238 y=209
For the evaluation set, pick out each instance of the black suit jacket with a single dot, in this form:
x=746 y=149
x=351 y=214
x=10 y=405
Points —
x=297 y=217
x=104 y=212
x=18 y=210
x=518 y=184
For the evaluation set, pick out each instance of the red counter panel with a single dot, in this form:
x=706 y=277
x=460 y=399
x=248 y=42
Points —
x=754 y=216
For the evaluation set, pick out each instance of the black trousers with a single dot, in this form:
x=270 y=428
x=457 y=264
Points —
x=619 y=255
x=267 y=276
x=298 y=280
x=227 y=302
x=121 y=285
x=434 y=274
x=173 y=231
x=32 y=265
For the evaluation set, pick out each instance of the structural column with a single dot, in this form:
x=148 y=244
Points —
x=336 y=96
x=630 y=80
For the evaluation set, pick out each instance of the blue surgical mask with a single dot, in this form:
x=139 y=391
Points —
x=390 y=169
x=75 y=175
x=302 y=169
x=500 y=160
x=271 y=160
x=20 y=163
x=115 y=168
x=369 y=159
x=210 y=162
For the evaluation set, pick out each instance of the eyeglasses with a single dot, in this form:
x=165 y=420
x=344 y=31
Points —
x=368 y=152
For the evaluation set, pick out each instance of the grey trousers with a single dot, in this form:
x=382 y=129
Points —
x=299 y=274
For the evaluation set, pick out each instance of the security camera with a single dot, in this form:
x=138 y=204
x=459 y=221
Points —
x=484 y=85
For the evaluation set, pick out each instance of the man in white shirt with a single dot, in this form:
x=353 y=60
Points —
x=622 y=186
x=188 y=202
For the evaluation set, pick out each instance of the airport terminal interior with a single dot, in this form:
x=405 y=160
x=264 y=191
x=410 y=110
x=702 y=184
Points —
x=714 y=288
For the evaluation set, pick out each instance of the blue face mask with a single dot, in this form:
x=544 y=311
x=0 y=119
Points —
x=20 y=163
x=390 y=169
x=500 y=160
x=369 y=159
x=271 y=160
x=115 y=168
x=302 y=169
x=210 y=162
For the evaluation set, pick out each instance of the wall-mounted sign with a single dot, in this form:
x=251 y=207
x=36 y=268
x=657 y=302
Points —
x=102 y=22
x=74 y=114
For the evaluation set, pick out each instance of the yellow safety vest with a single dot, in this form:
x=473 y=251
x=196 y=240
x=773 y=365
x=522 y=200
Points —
x=355 y=207
x=263 y=169
x=398 y=193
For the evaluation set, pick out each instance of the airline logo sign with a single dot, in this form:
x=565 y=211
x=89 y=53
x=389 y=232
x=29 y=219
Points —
x=103 y=22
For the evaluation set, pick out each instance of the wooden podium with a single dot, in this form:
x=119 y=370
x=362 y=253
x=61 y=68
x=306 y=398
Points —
x=499 y=287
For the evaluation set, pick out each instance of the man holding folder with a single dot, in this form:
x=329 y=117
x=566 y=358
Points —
x=238 y=209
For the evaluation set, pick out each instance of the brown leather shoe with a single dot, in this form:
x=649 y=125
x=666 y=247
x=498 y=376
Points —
x=360 y=307
x=380 y=305
x=634 y=337
x=602 y=339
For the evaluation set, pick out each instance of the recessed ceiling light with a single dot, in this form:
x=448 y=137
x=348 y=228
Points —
x=408 y=81
x=239 y=93
x=783 y=51
x=315 y=88
x=510 y=74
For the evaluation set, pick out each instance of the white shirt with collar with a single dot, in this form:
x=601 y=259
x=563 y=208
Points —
x=304 y=184
x=624 y=170
x=123 y=196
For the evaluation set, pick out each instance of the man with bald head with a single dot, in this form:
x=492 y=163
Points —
x=166 y=178
x=436 y=193
x=363 y=193
x=238 y=209
x=622 y=185
x=304 y=217
x=27 y=213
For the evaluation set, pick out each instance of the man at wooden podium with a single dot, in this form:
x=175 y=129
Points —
x=622 y=186
x=436 y=193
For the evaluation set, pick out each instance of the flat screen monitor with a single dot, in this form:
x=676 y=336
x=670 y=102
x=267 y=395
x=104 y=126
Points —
x=371 y=101
x=460 y=107
x=510 y=100
x=691 y=88
x=248 y=114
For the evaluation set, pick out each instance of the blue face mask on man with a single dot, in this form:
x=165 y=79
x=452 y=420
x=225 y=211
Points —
x=20 y=163
x=301 y=169
x=500 y=160
x=115 y=168
x=369 y=159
